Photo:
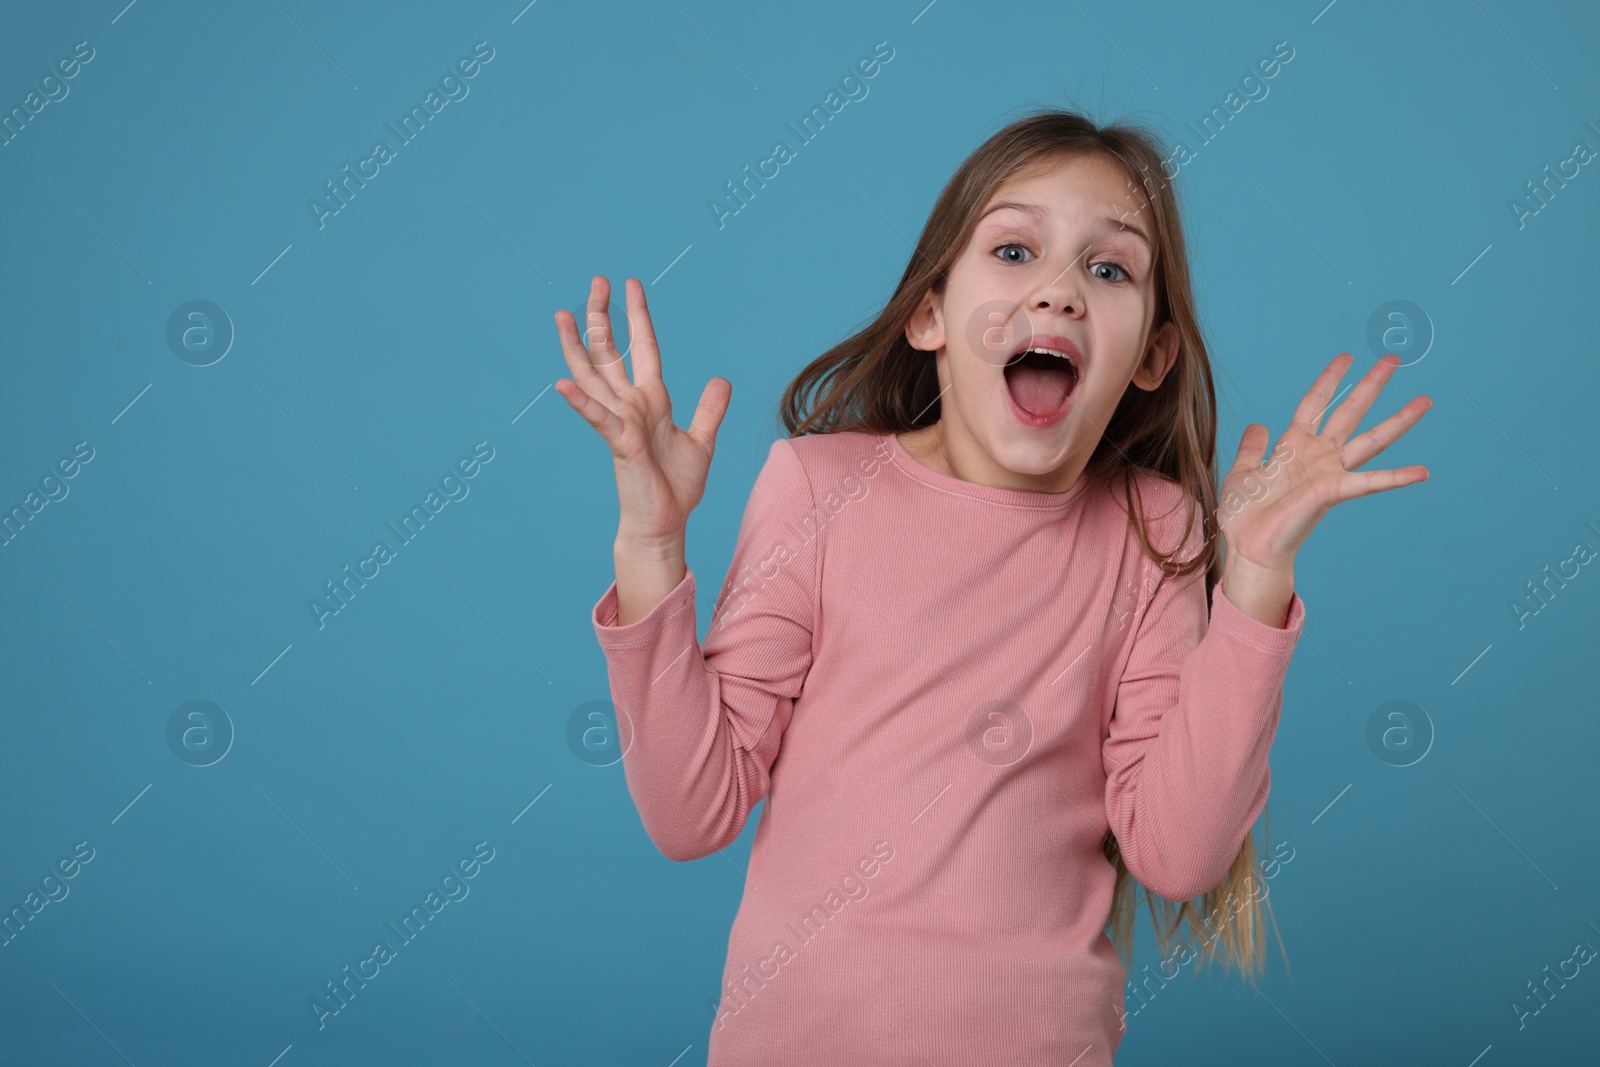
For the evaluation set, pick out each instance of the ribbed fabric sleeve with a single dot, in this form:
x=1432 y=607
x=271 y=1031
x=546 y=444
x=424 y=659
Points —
x=1197 y=708
x=700 y=725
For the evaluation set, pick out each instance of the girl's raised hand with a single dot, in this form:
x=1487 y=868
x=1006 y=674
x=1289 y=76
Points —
x=661 y=470
x=1267 y=512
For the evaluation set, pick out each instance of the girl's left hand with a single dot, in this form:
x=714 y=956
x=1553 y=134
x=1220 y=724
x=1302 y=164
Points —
x=1265 y=513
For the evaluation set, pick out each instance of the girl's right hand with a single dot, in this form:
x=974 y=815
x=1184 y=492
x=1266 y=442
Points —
x=661 y=470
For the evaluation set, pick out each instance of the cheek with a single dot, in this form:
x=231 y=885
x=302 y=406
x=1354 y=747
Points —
x=969 y=373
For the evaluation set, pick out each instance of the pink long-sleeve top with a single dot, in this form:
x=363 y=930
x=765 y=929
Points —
x=946 y=692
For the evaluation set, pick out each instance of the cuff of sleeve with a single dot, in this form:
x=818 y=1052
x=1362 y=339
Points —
x=604 y=614
x=1252 y=631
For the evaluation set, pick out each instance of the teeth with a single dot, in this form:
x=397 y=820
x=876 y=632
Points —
x=1048 y=352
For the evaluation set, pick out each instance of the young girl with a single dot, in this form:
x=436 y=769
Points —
x=965 y=650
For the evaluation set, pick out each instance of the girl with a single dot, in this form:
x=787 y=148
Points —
x=964 y=649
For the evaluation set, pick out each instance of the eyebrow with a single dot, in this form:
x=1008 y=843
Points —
x=1039 y=213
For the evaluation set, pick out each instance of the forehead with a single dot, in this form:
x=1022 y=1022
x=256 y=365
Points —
x=1078 y=189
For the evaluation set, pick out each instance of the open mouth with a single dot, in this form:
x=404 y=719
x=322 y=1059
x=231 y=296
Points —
x=1041 y=381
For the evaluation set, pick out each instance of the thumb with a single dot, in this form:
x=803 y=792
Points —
x=1252 y=448
x=708 y=413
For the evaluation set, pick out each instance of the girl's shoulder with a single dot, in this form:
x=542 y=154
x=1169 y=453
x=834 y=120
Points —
x=1169 y=512
x=1157 y=492
x=829 y=457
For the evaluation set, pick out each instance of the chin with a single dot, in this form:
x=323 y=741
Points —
x=1025 y=451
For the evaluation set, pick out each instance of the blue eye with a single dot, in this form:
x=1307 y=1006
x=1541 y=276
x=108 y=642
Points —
x=1127 y=275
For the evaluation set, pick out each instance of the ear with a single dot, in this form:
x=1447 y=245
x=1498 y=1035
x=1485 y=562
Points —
x=925 y=330
x=1159 y=358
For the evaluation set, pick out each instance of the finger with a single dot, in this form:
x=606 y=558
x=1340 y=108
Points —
x=578 y=362
x=598 y=337
x=641 y=334
x=1365 y=483
x=708 y=413
x=1252 y=449
x=1315 y=403
x=1386 y=433
x=1343 y=422
x=594 y=413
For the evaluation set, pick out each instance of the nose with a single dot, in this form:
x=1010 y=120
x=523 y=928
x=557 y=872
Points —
x=1059 y=292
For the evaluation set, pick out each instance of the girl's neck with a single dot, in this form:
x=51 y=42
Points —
x=928 y=445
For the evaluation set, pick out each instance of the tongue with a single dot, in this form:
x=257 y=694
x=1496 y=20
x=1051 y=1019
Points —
x=1039 y=391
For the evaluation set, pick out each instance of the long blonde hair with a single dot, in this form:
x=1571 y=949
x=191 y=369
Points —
x=874 y=381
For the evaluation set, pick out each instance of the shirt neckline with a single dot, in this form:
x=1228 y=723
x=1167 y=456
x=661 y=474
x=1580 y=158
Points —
x=1017 y=498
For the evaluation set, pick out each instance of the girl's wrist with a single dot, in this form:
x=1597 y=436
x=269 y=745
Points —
x=657 y=548
x=1262 y=593
x=645 y=576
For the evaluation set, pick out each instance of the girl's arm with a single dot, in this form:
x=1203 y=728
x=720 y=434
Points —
x=701 y=722
x=1196 y=711
x=699 y=726
x=1197 y=705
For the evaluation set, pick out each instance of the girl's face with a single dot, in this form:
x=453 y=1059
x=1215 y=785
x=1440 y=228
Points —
x=1060 y=260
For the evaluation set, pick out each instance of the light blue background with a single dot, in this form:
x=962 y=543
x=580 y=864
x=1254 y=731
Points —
x=433 y=710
